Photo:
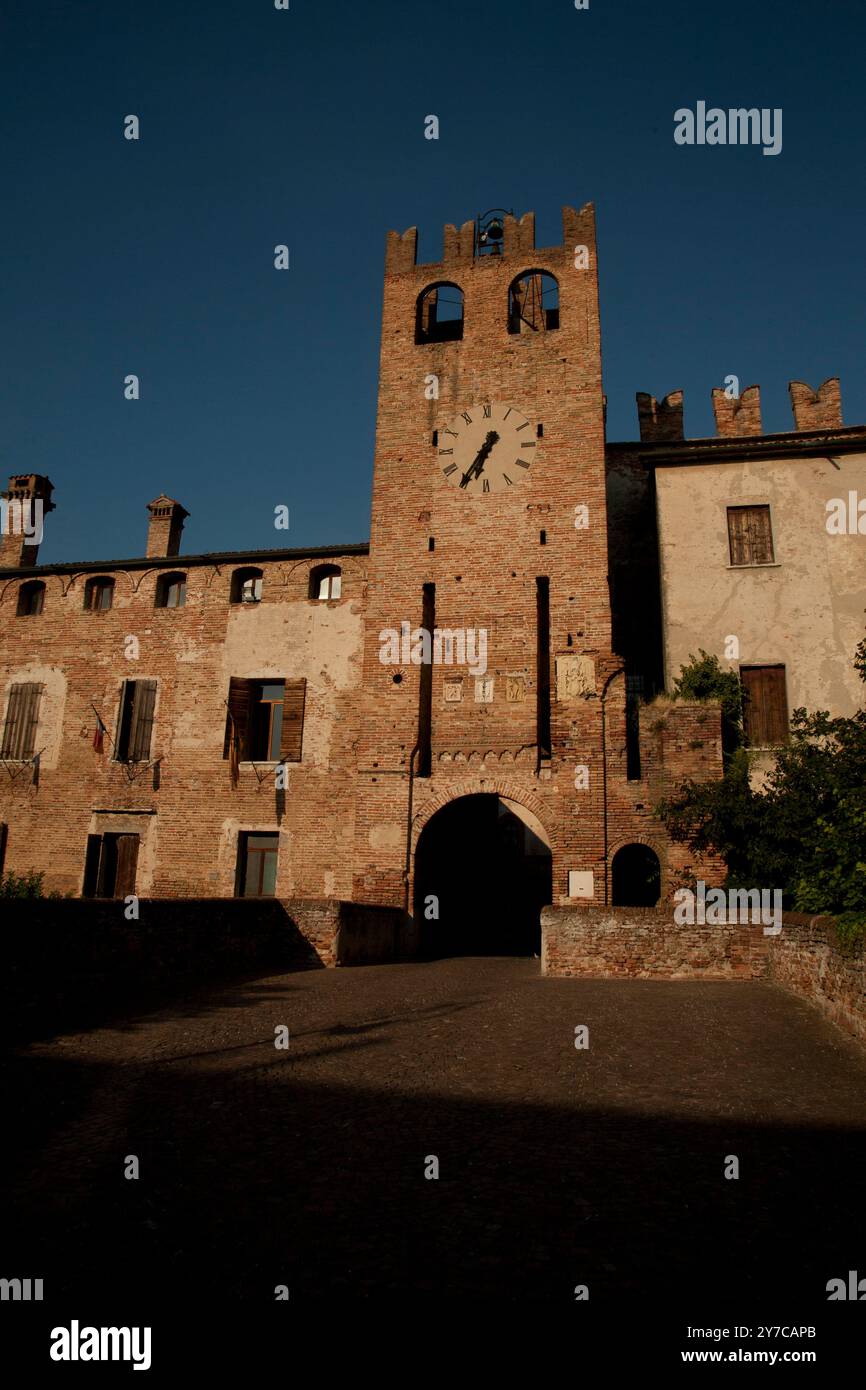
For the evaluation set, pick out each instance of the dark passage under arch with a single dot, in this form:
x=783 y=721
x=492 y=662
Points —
x=487 y=873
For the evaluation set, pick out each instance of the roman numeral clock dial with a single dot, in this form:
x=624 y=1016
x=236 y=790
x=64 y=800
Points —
x=487 y=448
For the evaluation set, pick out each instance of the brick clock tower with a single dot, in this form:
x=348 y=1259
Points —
x=489 y=524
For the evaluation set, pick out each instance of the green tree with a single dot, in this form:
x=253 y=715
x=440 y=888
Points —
x=805 y=832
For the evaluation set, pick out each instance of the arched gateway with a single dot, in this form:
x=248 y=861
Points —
x=483 y=864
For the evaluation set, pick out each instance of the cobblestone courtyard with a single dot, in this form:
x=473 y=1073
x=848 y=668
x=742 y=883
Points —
x=305 y=1167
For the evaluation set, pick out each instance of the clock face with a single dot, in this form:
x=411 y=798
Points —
x=487 y=448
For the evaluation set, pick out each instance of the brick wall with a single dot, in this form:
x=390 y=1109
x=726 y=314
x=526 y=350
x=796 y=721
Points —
x=806 y=957
x=183 y=805
x=343 y=820
x=646 y=943
x=73 y=960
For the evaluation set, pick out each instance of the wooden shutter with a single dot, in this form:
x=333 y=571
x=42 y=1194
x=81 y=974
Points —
x=30 y=720
x=22 y=717
x=91 y=866
x=13 y=719
x=121 y=728
x=765 y=707
x=141 y=725
x=127 y=862
x=762 y=536
x=240 y=697
x=292 y=735
x=738 y=536
x=750 y=535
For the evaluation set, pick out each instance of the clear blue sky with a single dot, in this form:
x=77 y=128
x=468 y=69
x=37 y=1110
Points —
x=306 y=127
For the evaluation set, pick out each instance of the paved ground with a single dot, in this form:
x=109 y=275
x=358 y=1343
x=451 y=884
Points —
x=557 y=1167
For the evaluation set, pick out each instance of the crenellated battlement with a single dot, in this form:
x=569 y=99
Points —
x=460 y=244
x=739 y=417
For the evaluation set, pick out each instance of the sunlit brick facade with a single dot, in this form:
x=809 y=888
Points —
x=202 y=726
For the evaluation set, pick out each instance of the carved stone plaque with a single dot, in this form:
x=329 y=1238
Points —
x=575 y=677
x=515 y=689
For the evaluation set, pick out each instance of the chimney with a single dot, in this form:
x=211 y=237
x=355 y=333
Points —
x=737 y=416
x=816 y=410
x=22 y=509
x=166 y=525
x=660 y=422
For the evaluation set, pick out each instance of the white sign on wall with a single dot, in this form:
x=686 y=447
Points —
x=581 y=883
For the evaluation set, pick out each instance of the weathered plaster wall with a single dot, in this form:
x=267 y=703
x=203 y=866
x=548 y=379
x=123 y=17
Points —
x=805 y=611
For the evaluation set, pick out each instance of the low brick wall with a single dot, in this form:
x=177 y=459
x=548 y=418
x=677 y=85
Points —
x=645 y=943
x=366 y=935
x=76 y=957
x=807 y=959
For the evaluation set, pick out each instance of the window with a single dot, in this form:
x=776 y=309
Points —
x=4 y=831
x=765 y=705
x=325 y=582
x=247 y=586
x=135 y=722
x=22 y=717
x=257 y=865
x=750 y=535
x=265 y=721
x=533 y=303
x=31 y=598
x=170 y=591
x=110 y=866
x=634 y=691
x=99 y=594
x=439 y=314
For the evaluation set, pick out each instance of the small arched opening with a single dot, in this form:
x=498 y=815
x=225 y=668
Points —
x=635 y=877
x=31 y=598
x=247 y=586
x=99 y=593
x=533 y=303
x=326 y=582
x=170 y=591
x=439 y=314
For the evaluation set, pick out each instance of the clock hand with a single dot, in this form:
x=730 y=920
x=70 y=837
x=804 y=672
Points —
x=476 y=467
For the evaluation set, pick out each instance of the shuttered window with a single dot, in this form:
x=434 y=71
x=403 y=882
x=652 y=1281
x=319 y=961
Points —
x=22 y=717
x=266 y=719
x=750 y=535
x=765 y=705
x=135 y=724
x=110 y=866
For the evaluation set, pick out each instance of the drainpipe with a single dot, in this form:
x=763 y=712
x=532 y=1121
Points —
x=618 y=672
x=408 y=864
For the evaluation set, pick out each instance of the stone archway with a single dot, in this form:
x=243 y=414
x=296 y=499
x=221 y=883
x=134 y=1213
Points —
x=483 y=871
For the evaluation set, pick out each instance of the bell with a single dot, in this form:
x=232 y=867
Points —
x=494 y=230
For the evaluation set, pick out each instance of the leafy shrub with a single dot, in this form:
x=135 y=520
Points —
x=29 y=885
x=704 y=679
